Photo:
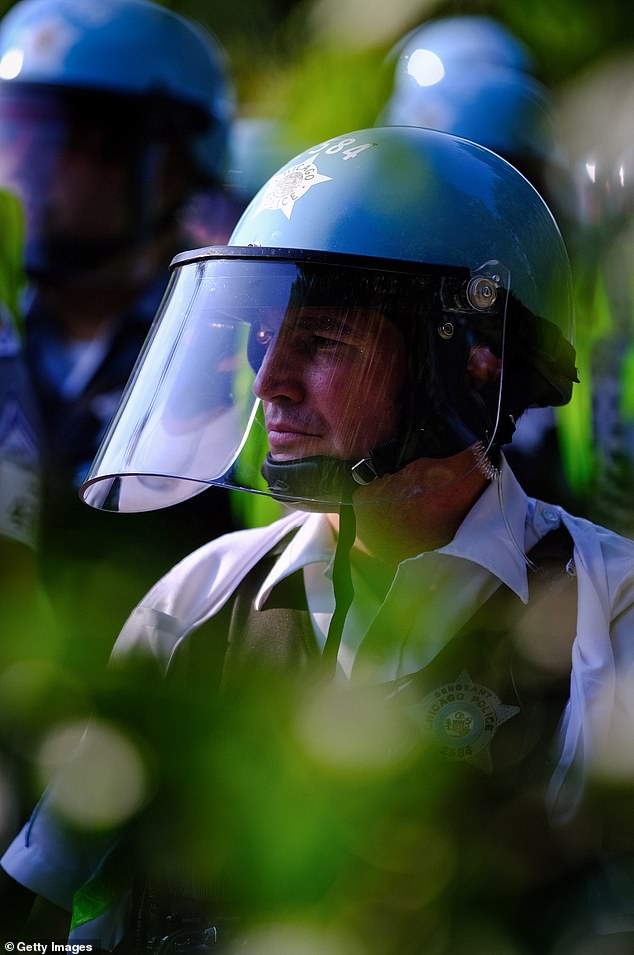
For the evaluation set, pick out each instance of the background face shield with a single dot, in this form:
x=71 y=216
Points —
x=311 y=361
x=33 y=131
x=83 y=164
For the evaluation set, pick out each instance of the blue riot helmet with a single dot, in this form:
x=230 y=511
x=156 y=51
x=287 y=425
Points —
x=470 y=76
x=110 y=114
x=396 y=262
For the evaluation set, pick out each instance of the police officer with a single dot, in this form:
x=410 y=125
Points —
x=471 y=76
x=19 y=427
x=111 y=117
x=597 y=428
x=28 y=633
x=391 y=301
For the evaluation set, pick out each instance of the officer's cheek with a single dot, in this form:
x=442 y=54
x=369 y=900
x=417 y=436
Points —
x=483 y=367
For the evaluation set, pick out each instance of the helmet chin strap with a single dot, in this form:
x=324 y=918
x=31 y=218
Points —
x=442 y=437
x=394 y=455
x=324 y=482
x=327 y=483
x=341 y=582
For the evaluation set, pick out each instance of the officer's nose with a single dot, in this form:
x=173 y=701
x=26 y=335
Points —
x=279 y=375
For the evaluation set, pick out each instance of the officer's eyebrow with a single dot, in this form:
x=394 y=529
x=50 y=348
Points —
x=351 y=322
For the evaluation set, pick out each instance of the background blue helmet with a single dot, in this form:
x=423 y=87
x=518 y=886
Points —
x=130 y=47
x=472 y=77
x=125 y=85
x=476 y=40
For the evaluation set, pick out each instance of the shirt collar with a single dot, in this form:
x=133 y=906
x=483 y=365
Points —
x=313 y=543
x=492 y=535
x=497 y=531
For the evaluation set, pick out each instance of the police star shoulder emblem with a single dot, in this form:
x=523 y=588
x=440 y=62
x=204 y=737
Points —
x=289 y=185
x=462 y=718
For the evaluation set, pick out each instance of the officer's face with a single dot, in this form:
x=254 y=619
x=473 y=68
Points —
x=67 y=182
x=329 y=381
x=74 y=162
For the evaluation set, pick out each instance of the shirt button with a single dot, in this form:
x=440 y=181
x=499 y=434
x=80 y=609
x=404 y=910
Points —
x=551 y=517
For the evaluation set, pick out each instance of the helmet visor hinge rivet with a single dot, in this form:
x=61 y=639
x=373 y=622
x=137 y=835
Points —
x=481 y=292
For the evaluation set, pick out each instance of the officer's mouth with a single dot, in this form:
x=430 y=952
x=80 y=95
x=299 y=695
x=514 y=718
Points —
x=287 y=442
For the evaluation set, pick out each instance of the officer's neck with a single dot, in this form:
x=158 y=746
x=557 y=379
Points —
x=418 y=509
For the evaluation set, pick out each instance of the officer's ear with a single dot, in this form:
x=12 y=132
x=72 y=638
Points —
x=483 y=367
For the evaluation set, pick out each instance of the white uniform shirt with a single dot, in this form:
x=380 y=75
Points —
x=446 y=585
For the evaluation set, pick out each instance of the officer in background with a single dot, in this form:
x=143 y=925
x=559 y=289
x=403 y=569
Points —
x=111 y=114
x=393 y=299
x=471 y=76
x=27 y=628
x=597 y=428
x=19 y=424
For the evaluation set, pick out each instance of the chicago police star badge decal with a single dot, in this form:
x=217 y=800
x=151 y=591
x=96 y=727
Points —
x=289 y=185
x=462 y=718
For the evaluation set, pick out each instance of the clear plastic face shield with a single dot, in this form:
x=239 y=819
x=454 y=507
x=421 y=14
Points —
x=301 y=375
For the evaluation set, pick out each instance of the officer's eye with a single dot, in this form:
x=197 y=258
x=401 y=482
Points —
x=263 y=336
x=324 y=343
